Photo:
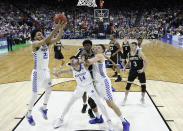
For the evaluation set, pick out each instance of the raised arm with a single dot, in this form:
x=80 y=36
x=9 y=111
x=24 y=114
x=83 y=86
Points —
x=59 y=35
x=37 y=44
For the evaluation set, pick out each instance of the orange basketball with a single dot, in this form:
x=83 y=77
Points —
x=60 y=17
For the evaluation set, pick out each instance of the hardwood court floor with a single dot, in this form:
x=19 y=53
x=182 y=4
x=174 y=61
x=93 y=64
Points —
x=165 y=64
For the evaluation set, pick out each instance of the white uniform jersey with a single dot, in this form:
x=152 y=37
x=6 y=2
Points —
x=82 y=76
x=139 y=48
x=99 y=71
x=41 y=58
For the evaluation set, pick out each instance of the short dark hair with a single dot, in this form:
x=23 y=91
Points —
x=87 y=42
x=135 y=43
x=73 y=57
x=33 y=33
x=103 y=47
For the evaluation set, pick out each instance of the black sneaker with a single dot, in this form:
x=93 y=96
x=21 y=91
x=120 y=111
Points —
x=90 y=113
x=84 y=108
x=118 y=79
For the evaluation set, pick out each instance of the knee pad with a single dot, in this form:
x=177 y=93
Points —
x=128 y=86
x=92 y=103
x=143 y=88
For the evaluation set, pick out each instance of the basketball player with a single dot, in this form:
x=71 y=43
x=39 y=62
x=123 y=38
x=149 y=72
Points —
x=88 y=52
x=126 y=50
x=84 y=84
x=58 y=56
x=139 y=40
x=138 y=64
x=103 y=83
x=115 y=50
x=40 y=73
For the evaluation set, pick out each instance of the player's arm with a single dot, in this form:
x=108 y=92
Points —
x=111 y=61
x=97 y=58
x=62 y=46
x=141 y=54
x=37 y=44
x=119 y=48
x=59 y=35
x=79 y=52
x=62 y=71
x=51 y=48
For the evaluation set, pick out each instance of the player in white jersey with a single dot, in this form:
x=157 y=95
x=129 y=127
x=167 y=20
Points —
x=40 y=74
x=84 y=84
x=103 y=83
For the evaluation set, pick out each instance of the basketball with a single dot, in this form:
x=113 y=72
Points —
x=60 y=17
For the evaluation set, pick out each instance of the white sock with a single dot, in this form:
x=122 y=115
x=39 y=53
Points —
x=122 y=118
x=97 y=115
x=31 y=103
x=46 y=97
x=29 y=113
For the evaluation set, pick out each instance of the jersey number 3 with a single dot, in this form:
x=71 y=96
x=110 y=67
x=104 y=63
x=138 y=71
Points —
x=134 y=63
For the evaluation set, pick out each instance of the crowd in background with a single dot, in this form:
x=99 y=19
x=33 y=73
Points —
x=19 y=21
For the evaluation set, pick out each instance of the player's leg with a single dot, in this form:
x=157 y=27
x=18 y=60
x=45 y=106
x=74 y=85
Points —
x=142 y=80
x=47 y=94
x=113 y=68
x=77 y=94
x=84 y=102
x=96 y=98
x=131 y=77
x=35 y=83
x=117 y=69
x=109 y=100
x=62 y=61
x=60 y=120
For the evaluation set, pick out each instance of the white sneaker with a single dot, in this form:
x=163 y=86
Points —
x=124 y=102
x=142 y=100
x=58 y=123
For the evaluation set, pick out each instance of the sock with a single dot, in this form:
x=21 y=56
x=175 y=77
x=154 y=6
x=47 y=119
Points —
x=46 y=97
x=29 y=113
x=31 y=103
x=44 y=106
x=122 y=118
x=97 y=115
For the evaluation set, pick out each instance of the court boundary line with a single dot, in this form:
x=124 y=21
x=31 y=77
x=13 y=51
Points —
x=165 y=121
x=24 y=115
x=159 y=112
